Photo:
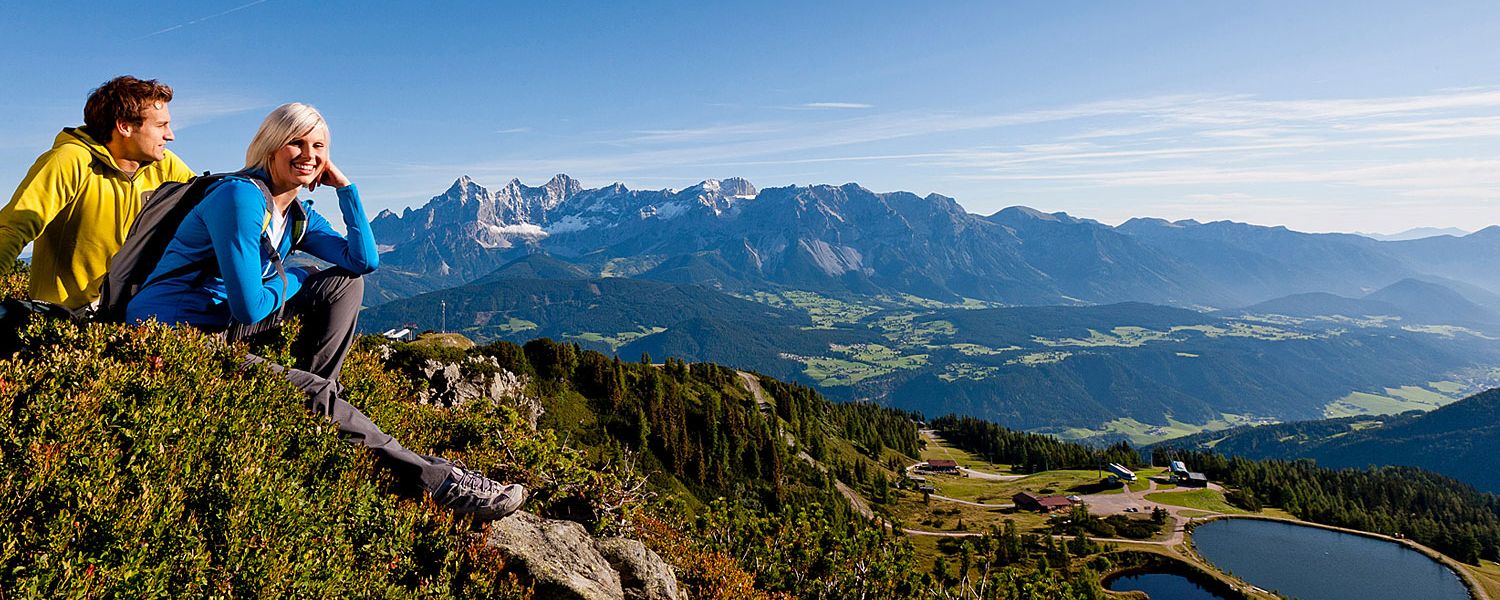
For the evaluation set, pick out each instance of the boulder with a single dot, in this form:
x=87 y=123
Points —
x=454 y=384
x=643 y=574
x=558 y=556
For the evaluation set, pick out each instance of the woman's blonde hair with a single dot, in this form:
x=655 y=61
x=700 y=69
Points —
x=288 y=122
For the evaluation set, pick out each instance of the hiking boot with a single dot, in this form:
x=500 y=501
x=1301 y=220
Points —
x=468 y=492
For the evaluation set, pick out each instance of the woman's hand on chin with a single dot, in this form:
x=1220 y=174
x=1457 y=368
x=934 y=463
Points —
x=331 y=176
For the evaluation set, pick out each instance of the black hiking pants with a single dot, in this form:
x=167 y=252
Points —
x=329 y=304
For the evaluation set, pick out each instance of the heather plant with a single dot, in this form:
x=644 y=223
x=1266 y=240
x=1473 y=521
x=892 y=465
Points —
x=147 y=461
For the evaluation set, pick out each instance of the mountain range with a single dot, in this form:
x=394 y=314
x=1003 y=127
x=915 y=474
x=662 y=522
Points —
x=1415 y=233
x=1037 y=320
x=847 y=239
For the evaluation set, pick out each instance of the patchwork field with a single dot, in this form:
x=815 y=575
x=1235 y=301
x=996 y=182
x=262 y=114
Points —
x=1395 y=400
x=1142 y=434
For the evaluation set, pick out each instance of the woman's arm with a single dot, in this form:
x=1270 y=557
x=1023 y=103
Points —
x=356 y=252
x=234 y=226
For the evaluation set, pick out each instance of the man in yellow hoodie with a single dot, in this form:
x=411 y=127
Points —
x=81 y=197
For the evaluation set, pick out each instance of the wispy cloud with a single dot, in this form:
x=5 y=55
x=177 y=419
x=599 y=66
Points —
x=1179 y=148
x=189 y=110
x=832 y=106
x=513 y=130
x=202 y=19
x=713 y=132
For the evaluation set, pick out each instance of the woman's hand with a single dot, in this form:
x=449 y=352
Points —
x=331 y=176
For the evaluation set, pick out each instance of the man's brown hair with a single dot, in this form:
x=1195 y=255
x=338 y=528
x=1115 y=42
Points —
x=123 y=98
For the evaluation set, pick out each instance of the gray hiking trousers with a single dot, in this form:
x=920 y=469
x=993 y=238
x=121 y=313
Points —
x=329 y=304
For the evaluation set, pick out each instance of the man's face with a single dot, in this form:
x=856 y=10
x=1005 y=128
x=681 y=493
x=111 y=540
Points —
x=147 y=142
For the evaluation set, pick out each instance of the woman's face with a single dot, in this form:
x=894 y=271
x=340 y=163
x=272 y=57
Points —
x=300 y=162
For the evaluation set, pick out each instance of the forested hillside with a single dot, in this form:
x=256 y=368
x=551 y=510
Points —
x=1459 y=440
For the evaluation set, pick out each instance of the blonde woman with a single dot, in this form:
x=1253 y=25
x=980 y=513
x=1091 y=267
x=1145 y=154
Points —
x=223 y=272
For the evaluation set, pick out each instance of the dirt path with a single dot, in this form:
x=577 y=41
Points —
x=752 y=383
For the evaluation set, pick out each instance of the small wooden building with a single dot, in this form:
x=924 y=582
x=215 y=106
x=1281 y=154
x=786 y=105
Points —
x=1045 y=504
x=942 y=465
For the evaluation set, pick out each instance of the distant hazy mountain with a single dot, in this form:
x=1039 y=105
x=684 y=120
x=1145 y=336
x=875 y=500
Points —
x=1460 y=440
x=1413 y=301
x=1259 y=263
x=1470 y=259
x=1426 y=302
x=1415 y=233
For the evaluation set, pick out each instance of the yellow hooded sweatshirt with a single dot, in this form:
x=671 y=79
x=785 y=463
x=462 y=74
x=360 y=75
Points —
x=77 y=205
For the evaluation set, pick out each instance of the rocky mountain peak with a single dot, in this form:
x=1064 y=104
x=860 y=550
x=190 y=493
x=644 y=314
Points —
x=1018 y=215
x=735 y=186
x=562 y=185
x=465 y=189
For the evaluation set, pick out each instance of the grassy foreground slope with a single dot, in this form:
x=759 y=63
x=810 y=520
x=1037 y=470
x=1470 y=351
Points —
x=143 y=462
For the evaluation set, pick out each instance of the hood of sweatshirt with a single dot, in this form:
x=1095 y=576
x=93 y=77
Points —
x=77 y=137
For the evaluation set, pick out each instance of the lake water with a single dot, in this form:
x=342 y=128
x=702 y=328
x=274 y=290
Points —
x=1161 y=586
x=1318 y=564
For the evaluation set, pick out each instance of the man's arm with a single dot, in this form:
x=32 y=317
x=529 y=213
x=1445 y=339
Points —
x=48 y=187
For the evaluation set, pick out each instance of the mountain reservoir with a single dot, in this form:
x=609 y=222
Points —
x=1310 y=562
x=1161 y=586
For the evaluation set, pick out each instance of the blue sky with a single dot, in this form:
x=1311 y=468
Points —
x=1326 y=116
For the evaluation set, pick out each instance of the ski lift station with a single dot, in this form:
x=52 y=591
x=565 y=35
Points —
x=1121 y=472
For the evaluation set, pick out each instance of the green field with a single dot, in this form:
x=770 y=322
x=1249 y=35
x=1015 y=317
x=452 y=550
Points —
x=1204 y=499
x=1244 y=329
x=1445 y=330
x=952 y=517
x=511 y=325
x=1393 y=401
x=619 y=339
x=1141 y=434
x=1127 y=336
x=957 y=371
x=976 y=349
x=1449 y=388
x=1039 y=358
x=936 y=448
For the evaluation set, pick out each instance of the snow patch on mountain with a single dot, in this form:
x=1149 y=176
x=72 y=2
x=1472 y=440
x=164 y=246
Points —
x=569 y=224
x=671 y=210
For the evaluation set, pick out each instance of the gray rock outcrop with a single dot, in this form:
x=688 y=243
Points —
x=454 y=384
x=644 y=575
x=563 y=561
